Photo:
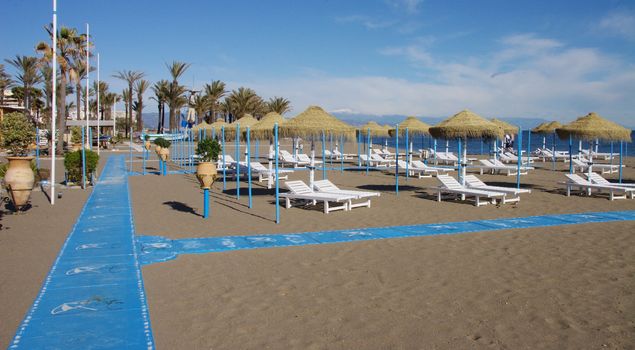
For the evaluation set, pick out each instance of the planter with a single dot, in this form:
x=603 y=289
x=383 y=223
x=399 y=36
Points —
x=157 y=149
x=164 y=153
x=148 y=145
x=19 y=180
x=206 y=173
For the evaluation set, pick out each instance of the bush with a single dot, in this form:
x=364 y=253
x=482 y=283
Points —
x=18 y=133
x=73 y=164
x=208 y=150
x=161 y=142
x=76 y=135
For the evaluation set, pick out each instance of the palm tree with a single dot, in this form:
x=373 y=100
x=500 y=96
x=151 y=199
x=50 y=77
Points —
x=5 y=83
x=130 y=77
x=140 y=88
x=279 y=105
x=160 y=89
x=200 y=105
x=245 y=100
x=107 y=101
x=175 y=98
x=77 y=74
x=65 y=51
x=28 y=75
x=213 y=93
x=177 y=69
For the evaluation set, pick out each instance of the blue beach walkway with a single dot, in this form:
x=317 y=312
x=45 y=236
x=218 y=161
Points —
x=93 y=297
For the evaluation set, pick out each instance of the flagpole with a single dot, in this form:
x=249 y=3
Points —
x=86 y=109
x=54 y=101
x=98 y=114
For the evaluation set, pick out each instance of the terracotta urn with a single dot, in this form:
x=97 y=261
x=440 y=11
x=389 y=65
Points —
x=164 y=153
x=206 y=173
x=157 y=149
x=19 y=180
x=148 y=145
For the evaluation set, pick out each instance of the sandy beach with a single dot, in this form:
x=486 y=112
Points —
x=562 y=287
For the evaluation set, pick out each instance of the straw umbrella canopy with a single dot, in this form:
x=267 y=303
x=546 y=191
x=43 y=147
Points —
x=375 y=129
x=263 y=129
x=201 y=126
x=594 y=127
x=546 y=127
x=217 y=125
x=312 y=122
x=246 y=121
x=507 y=128
x=414 y=125
x=464 y=125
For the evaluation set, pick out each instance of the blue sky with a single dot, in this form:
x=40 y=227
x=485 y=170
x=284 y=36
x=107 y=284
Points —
x=536 y=59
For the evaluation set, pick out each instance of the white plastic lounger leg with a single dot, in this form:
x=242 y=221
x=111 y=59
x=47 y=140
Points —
x=288 y=202
x=362 y=204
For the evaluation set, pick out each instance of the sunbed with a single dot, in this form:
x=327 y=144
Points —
x=288 y=158
x=587 y=187
x=606 y=156
x=264 y=173
x=497 y=168
x=298 y=190
x=582 y=165
x=474 y=182
x=304 y=159
x=338 y=155
x=326 y=186
x=598 y=179
x=449 y=185
x=382 y=163
x=435 y=170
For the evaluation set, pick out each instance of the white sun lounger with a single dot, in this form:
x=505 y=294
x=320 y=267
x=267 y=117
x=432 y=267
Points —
x=264 y=173
x=474 y=182
x=288 y=158
x=582 y=165
x=490 y=166
x=414 y=171
x=300 y=191
x=605 y=156
x=383 y=163
x=326 y=186
x=304 y=159
x=347 y=156
x=450 y=186
x=587 y=187
x=598 y=179
x=435 y=170
x=377 y=158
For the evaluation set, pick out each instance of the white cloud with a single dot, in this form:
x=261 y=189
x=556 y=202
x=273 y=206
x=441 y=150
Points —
x=620 y=24
x=409 y=6
x=366 y=21
x=546 y=79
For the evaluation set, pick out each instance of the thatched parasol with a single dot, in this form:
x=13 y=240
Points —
x=546 y=127
x=264 y=128
x=466 y=124
x=217 y=125
x=593 y=127
x=246 y=121
x=414 y=125
x=200 y=126
x=507 y=128
x=376 y=130
x=312 y=122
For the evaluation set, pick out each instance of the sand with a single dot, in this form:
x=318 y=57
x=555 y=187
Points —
x=555 y=288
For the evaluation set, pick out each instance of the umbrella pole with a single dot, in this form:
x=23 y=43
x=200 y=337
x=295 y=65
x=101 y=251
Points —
x=257 y=151
x=331 y=149
x=84 y=161
x=396 y=159
x=407 y=155
x=464 y=162
x=435 y=151
x=528 y=146
x=323 y=158
x=270 y=157
x=570 y=154
x=237 y=143
x=222 y=130
x=611 y=155
x=520 y=156
x=359 y=136
x=620 y=177
x=312 y=166
x=553 y=150
x=368 y=151
x=249 y=167
x=495 y=150
x=460 y=169
x=275 y=133
x=342 y=153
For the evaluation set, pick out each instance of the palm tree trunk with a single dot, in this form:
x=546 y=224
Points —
x=61 y=124
x=172 y=117
x=78 y=91
x=140 y=115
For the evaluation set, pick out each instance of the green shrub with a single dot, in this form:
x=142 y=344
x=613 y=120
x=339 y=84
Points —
x=17 y=133
x=76 y=135
x=73 y=164
x=163 y=143
x=208 y=150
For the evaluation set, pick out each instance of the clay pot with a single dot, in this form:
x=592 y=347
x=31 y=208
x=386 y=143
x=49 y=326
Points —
x=164 y=153
x=157 y=149
x=148 y=145
x=19 y=180
x=206 y=173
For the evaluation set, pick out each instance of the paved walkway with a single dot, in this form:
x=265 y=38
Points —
x=153 y=249
x=93 y=297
